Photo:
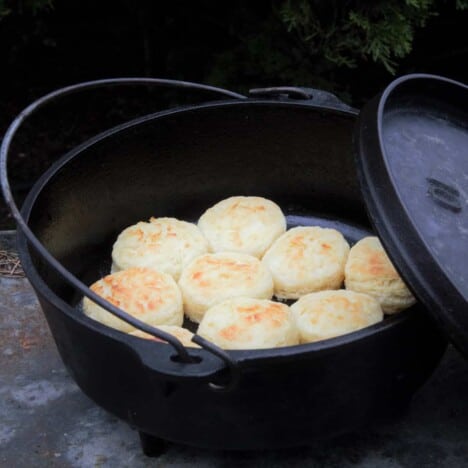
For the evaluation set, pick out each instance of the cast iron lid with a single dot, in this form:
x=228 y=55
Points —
x=411 y=147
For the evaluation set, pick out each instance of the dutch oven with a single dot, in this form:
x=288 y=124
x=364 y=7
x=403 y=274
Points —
x=294 y=146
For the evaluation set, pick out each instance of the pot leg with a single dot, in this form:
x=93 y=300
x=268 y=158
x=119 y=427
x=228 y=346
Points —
x=152 y=446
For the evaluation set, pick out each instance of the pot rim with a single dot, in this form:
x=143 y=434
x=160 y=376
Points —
x=239 y=355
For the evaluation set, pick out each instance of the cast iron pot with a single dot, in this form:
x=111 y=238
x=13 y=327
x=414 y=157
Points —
x=294 y=147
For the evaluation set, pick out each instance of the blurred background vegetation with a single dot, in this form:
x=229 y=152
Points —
x=352 y=48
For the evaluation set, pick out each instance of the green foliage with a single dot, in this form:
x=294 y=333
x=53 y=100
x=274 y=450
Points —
x=382 y=31
x=329 y=44
x=24 y=7
x=322 y=43
x=4 y=9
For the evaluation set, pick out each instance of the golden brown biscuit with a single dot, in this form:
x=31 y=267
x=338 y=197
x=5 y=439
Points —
x=182 y=334
x=305 y=260
x=243 y=224
x=212 y=278
x=163 y=244
x=245 y=323
x=370 y=271
x=148 y=295
x=326 y=314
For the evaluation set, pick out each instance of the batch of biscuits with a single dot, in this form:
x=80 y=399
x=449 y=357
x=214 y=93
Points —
x=235 y=272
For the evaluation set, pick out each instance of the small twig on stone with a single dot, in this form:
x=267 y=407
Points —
x=10 y=264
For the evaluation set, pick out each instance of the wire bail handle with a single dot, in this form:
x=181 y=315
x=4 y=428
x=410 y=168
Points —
x=182 y=352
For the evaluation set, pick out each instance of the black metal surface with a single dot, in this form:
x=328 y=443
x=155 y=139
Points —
x=281 y=92
x=152 y=446
x=181 y=162
x=412 y=147
x=313 y=96
x=183 y=354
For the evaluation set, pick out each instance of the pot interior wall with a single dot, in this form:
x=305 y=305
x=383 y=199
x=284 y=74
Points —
x=179 y=164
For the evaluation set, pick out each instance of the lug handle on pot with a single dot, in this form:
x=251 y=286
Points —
x=209 y=364
x=217 y=368
x=312 y=96
x=232 y=365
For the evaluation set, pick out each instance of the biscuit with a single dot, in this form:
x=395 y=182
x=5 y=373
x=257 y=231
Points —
x=245 y=323
x=212 y=278
x=163 y=244
x=326 y=314
x=182 y=334
x=147 y=295
x=242 y=224
x=305 y=260
x=370 y=271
